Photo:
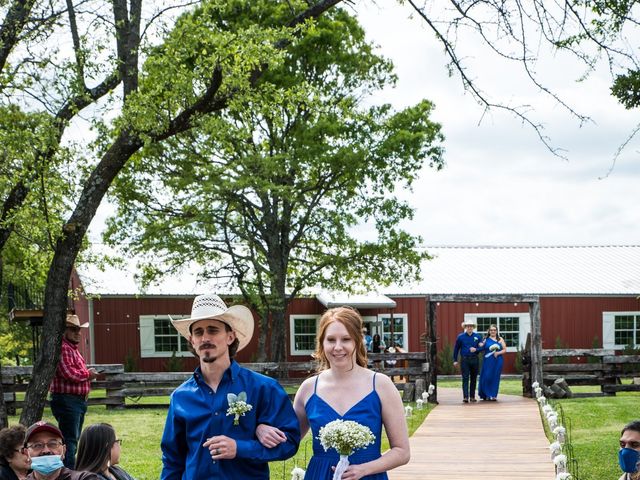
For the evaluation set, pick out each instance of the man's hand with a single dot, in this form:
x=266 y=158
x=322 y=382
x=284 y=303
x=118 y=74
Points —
x=473 y=349
x=93 y=373
x=455 y=364
x=221 y=447
x=270 y=436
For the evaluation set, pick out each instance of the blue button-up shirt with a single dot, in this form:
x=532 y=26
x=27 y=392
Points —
x=464 y=342
x=197 y=413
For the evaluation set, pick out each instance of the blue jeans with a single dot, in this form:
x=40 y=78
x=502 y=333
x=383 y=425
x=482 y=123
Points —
x=69 y=411
x=469 y=367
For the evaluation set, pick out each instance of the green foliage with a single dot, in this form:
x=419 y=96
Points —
x=174 y=363
x=596 y=343
x=559 y=345
x=15 y=343
x=275 y=191
x=518 y=360
x=445 y=359
x=626 y=88
x=131 y=362
x=631 y=350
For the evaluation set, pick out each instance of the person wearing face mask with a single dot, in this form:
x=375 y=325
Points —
x=45 y=446
x=629 y=454
x=14 y=460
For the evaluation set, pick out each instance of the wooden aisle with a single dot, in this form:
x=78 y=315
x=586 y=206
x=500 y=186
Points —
x=484 y=440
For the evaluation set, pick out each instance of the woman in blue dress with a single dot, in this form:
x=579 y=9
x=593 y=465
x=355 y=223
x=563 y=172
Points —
x=491 y=364
x=344 y=389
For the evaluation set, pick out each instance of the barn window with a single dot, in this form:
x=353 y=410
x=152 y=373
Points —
x=303 y=330
x=620 y=329
x=513 y=327
x=158 y=338
x=399 y=336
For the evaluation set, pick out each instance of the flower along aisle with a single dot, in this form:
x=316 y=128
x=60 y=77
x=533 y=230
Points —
x=558 y=446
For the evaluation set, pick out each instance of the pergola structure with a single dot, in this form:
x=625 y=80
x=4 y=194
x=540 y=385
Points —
x=432 y=322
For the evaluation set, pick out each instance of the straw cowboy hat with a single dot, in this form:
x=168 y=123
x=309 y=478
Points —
x=471 y=321
x=74 y=321
x=211 y=307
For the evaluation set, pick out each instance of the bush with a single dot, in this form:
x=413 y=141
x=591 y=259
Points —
x=174 y=363
x=560 y=345
x=445 y=359
x=595 y=344
x=130 y=362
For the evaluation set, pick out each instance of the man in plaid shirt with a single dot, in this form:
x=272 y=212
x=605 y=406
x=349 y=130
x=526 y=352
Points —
x=70 y=388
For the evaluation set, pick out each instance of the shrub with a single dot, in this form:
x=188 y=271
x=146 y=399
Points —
x=174 y=363
x=130 y=362
x=445 y=359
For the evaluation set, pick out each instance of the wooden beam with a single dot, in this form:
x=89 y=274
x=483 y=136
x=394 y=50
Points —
x=577 y=352
x=536 y=341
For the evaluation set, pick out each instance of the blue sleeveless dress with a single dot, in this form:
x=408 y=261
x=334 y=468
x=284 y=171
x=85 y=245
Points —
x=489 y=385
x=368 y=411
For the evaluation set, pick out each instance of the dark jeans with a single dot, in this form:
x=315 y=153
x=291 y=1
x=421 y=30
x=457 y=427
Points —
x=69 y=411
x=469 y=367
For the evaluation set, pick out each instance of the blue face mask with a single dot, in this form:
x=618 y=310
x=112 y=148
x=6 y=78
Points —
x=46 y=464
x=628 y=458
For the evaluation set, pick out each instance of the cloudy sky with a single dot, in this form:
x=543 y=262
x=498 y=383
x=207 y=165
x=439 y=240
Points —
x=501 y=185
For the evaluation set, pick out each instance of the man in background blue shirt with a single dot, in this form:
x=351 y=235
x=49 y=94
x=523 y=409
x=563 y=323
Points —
x=225 y=422
x=467 y=345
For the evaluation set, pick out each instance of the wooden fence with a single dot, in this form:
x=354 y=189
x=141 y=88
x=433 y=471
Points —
x=603 y=368
x=120 y=385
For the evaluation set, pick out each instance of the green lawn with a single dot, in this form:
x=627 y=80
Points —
x=141 y=430
x=593 y=423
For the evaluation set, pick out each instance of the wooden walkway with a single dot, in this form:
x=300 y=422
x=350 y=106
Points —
x=484 y=440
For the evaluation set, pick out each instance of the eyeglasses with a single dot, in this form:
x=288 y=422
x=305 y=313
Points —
x=118 y=441
x=51 y=445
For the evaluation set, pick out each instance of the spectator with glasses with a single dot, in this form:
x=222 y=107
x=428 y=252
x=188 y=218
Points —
x=14 y=460
x=70 y=388
x=99 y=452
x=45 y=446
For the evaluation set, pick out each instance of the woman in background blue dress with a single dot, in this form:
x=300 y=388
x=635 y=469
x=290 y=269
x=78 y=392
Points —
x=345 y=389
x=491 y=364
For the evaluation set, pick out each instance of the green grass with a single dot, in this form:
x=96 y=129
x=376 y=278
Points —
x=141 y=431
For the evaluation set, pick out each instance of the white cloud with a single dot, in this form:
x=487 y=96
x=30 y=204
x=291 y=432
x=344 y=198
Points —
x=501 y=185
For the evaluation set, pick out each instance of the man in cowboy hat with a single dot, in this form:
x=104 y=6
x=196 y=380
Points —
x=44 y=444
x=225 y=421
x=467 y=345
x=70 y=388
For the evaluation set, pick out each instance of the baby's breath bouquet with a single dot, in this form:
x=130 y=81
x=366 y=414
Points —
x=238 y=406
x=493 y=348
x=345 y=436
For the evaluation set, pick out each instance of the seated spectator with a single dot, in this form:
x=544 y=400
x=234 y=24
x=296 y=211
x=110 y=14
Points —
x=99 y=452
x=14 y=461
x=45 y=445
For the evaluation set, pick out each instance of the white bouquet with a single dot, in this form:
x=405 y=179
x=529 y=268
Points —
x=345 y=436
x=297 y=473
x=238 y=406
x=493 y=348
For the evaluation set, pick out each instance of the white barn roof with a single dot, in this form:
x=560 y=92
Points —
x=462 y=270
x=565 y=270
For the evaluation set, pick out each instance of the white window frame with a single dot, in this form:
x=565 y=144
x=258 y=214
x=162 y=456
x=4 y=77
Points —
x=609 y=329
x=405 y=327
x=292 y=333
x=147 y=337
x=524 y=322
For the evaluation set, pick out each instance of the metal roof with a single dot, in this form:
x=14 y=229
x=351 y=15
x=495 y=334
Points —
x=369 y=300
x=548 y=270
x=461 y=270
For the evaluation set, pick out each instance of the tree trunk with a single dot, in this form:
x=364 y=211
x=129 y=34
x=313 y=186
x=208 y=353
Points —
x=278 y=350
x=262 y=338
x=4 y=417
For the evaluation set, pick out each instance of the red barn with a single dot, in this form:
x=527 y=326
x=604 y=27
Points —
x=588 y=296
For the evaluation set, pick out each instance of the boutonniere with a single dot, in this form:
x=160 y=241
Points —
x=238 y=406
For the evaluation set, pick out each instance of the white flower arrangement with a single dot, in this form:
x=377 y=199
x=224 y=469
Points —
x=560 y=461
x=542 y=401
x=419 y=404
x=538 y=391
x=563 y=476
x=408 y=411
x=555 y=448
x=297 y=473
x=425 y=396
x=345 y=436
x=546 y=409
x=238 y=406
x=559 y=430
x=431 y=388
x=535 y=385
x=493 y=348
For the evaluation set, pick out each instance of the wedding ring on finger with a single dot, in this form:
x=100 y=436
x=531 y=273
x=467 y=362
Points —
x=217 y=451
